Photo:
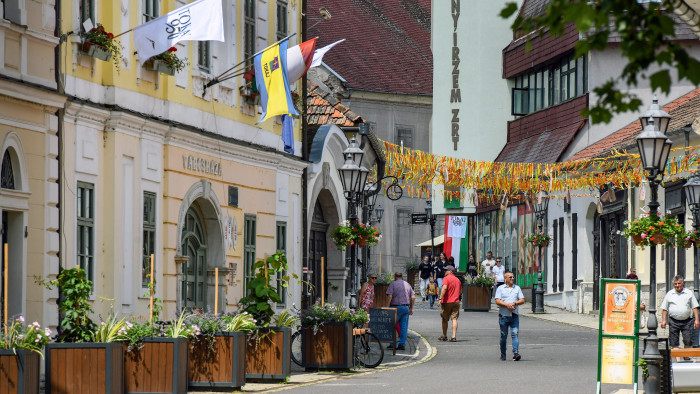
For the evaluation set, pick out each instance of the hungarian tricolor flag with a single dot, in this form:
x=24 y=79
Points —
x=299 y=58
x=456 y=241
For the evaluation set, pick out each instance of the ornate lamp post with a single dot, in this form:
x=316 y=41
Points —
x=431 y=220
x=353 y=177
x=692 y=194
x=654 y=149
x=540 y=213
x=379 y=211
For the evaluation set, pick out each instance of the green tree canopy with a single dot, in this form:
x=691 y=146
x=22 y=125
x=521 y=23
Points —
x=647 y=38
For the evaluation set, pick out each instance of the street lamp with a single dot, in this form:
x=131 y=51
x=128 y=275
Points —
x=661 y=118
x=654 y=149
x=353 y=177
x=540 y=212
x=379 y=210
x=431 y=220
x=692 y=194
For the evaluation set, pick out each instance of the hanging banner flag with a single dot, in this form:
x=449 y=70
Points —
x=457 y=227
x=318 y=55
x=299 y=58
x=201 y=20
x=271 y=79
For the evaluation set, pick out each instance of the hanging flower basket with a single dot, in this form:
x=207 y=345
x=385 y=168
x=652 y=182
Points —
x=539 y=239
x=639 y=240
x=348 y=234
x=650 y=229
x=97 y=51
x=658 y=239
x=690 y=238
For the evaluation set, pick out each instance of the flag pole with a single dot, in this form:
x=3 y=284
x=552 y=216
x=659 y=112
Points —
x=216 y=79
x=122 y=33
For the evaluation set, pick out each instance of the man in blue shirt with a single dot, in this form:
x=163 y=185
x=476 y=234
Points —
x=508 y=297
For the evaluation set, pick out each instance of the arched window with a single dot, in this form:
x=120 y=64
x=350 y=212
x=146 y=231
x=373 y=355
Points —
x=194 y=271
x=7 y=177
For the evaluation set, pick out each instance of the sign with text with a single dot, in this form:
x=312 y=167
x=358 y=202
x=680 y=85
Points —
x=620 y=308
x=617 y=361
x=618 y=326
x=419 y=218
x=382 y=323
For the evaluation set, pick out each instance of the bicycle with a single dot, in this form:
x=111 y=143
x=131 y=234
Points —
x=367 y=349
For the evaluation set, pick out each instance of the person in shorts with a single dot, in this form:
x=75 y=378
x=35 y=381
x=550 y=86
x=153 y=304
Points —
x=449 y=302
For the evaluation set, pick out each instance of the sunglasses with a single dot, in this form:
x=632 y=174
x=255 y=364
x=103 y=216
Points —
x=373 y=277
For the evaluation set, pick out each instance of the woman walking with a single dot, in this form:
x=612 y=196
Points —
x=367 y=292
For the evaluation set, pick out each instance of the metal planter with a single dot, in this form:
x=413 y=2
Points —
x=84 y=368
x=222 y=367
x=96 y=51
x=160 y=366
x=269 y=357
x=161 y=67
x=19 y=372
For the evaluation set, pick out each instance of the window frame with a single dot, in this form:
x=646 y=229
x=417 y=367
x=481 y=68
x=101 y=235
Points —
x=407 y=225
x=85 y=225
x=282 y=25
x=249 y=248
x=149 y=230
x=84 y=15
x=204 y=56
x=249 y=25
x=411 y=133
x=281 y=246
x=154 y=6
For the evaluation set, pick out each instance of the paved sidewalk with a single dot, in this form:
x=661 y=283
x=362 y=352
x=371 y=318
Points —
x=418 y=350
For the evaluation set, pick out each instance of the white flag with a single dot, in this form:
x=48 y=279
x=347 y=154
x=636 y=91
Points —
x=318 y=54
x=201 y=20
x=457 y=227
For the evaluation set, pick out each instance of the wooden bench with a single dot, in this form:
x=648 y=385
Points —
x=686 y=376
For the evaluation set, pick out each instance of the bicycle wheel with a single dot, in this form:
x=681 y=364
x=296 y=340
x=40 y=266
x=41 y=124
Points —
x=296 y=348
x=369 y=350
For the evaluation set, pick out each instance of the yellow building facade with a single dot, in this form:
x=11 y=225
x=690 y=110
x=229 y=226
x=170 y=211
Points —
x=156 y=164
x=29 y=150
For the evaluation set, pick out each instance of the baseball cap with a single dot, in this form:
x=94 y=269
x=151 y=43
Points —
x=450 y=268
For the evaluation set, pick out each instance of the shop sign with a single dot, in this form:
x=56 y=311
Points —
x=194 y=163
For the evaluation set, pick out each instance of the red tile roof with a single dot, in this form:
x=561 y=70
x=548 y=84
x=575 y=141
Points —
x=323 y=108
x=387 y=43
x=682 y=110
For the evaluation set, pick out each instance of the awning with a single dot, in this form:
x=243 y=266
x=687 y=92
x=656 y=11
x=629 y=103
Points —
x=439 y=240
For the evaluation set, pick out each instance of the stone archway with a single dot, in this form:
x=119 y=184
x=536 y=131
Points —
x=14 y=218
x=200 y=243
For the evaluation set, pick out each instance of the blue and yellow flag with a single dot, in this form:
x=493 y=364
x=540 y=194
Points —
x=271 y=78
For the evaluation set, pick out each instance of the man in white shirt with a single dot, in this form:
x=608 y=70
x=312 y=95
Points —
x=498 y=271
x=488 y=264
x=680 y=310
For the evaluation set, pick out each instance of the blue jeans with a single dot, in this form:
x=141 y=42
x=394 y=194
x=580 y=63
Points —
x=514 y=323
x=402 y=316
x=432 y=299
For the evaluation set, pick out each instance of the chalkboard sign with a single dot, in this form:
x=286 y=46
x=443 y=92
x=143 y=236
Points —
x=382 y=323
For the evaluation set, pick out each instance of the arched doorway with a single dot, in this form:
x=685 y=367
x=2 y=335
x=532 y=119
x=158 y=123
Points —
x=194 y=270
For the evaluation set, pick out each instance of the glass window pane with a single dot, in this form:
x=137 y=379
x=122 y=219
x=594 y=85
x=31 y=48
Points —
x=557 y=87
x=531 y=93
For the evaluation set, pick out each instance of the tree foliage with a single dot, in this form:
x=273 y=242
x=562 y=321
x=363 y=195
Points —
x=647 y=38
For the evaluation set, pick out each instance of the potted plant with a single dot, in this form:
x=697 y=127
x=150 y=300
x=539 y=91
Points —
x=381 y=300
x=689 y=238
x=167 y=62
x=20 y=353
x=101 y=44
x=217 y=354
x=347 y=234
x=268 y=352
x=477 y=293
x=647 y=229
x=81 y=344
x=411 y=271
x=156 y=358
x=327 y=335
x=539 y=239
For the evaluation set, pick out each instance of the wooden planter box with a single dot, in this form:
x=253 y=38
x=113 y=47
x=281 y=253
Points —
x=96 y=51
x=88 y=368
x=160 y=366
x=224 y=367
x=269 y=357
x=19 y=373
x=381 y=300
x=476 y=298
x=331 y=347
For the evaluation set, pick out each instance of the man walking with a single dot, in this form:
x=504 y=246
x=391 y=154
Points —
x=449 y=302
x=401 y=297
x=508 y=297
x=426 y=271
x=678 y=309
x=488 y=264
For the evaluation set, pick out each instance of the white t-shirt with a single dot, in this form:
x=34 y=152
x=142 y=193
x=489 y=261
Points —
x=679 y=305
x=487 y=265
x=498 y=272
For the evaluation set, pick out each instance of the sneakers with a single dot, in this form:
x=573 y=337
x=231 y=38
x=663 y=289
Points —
x=401 y=347
x=503 y=357
x=516 y=357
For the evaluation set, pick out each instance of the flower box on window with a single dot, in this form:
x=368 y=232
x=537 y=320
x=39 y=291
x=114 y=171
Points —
x=95 y=50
